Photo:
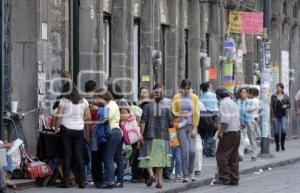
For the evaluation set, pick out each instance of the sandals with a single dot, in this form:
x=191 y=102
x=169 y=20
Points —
x=150 y=181
x=159 y=185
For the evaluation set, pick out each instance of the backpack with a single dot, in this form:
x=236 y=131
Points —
x=103 y=130
x=131 y=130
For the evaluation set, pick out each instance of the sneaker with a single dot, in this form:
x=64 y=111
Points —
x=185 y=180
x=197 y=173
x=178 y=178
x=193 y=178
x=220 y=182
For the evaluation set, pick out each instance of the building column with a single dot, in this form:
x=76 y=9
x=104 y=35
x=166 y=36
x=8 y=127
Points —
x=214 y=51
x=249 y=59
x=181 y=39
x=295 y=87
x=171 y=52
x=146 y=43
x=88 y=42
x=275 y=36
x=130 y=48
x=204 y=11
x=24 y=64
x=119 y=43
x=194 y=70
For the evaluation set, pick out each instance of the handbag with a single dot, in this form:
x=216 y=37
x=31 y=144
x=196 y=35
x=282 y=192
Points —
x=37 y=169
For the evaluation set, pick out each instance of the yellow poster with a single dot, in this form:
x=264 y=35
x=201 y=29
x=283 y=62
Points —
x=235 y=22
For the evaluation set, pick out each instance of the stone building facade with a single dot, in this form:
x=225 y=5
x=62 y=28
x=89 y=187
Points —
x=97 y=39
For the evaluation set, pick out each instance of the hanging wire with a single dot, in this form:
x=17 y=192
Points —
x=250 y=8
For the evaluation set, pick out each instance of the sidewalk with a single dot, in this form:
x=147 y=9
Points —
x=291 y=155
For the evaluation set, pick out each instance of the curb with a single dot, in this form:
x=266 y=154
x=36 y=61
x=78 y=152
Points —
x=200 y=183
x=25 y=185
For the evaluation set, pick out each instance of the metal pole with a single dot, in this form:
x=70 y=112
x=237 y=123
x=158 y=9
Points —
x=266 y=84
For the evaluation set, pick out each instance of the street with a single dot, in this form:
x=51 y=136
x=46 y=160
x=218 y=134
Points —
x=279 y=180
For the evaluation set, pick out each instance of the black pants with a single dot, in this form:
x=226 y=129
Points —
x=73 y=143
x=137 y=172
x=97 y=165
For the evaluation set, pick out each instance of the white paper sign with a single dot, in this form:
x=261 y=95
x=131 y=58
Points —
x=285 y=68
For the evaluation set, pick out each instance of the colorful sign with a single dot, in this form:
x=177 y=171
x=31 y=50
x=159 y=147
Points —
x=252 y=23
x=145 y=78
x=213 y=73
x=228 y=69
x=228 y=77
x=235 y=22
x=245 y=22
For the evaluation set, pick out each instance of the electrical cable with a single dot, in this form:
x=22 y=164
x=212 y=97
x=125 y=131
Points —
x=250 y=8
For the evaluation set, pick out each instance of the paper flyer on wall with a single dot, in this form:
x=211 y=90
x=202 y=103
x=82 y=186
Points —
x=15 y=146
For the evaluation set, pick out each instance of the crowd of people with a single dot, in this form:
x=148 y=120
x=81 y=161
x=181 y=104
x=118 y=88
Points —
x=174 y=133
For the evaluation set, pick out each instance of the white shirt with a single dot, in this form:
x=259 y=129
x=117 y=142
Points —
x=73 y=114
x=229 y=114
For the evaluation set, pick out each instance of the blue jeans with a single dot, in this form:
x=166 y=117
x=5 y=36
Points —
x=281 y=125
x=208 y=146
x=113 y=154
x=9 y=167
x=176 y=157
x=88 y=167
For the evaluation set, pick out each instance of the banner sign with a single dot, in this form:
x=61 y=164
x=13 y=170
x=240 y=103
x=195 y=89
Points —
x=246 y=22
x=235 y=22
x=213 y=73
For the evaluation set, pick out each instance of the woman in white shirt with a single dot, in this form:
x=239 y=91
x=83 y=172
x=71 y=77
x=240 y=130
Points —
x=73 y=110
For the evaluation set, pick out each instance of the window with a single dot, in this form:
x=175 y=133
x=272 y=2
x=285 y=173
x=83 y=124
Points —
x=186 y=53
x=107 y=47
x=74 y=37
x=136 y=61
x=285 y=8
x=162 y=68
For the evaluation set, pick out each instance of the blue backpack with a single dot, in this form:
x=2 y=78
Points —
x=103 y=130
